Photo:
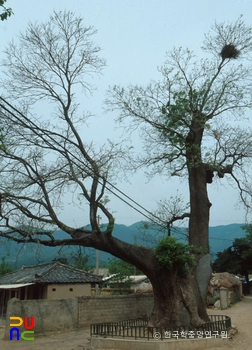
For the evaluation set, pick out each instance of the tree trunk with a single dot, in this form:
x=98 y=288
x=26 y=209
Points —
x=200 y=207
x=177 y=300
x=173 y=294
x=197 y=180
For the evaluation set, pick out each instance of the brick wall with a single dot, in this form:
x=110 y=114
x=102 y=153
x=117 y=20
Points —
x=113 y=308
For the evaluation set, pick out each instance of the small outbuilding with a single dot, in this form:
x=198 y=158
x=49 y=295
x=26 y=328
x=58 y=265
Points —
x=226 y=287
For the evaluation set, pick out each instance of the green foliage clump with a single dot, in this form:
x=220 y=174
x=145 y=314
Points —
x=5 y=267
x=122 y=270
x=174 y=255
x=237 y=259
x=211 y=300
x=7 y=12
x=79 y=260
x=234 y=302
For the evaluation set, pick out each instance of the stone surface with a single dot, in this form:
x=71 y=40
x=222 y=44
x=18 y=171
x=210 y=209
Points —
x=223 y=298
x=217 y=304
x=204 y=273
x=50 y=315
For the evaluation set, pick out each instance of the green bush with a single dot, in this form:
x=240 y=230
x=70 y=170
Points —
x=174 y=255
x=5 y=267
x=211 y=300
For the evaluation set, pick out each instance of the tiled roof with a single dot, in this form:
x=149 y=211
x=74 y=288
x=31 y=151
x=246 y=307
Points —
x=49 y=273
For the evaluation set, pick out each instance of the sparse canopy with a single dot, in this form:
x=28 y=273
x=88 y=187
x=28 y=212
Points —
x=191 y=117
x=43 y=158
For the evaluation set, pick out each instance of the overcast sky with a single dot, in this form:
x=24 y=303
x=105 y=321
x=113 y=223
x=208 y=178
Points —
x=134 y=36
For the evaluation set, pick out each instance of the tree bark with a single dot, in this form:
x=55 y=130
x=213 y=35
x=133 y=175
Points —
x=174 y=294
x=197 y=180
x=200 y=207
x=177 y=300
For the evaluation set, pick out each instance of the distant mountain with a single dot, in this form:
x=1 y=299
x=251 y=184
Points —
x=221 y=237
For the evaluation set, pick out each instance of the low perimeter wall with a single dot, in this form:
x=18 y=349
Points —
x=113 y=308
x=50 y=315
x=66 y=314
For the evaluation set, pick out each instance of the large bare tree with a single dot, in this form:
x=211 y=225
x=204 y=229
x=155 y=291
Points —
x=195 y=124
x=45 y=157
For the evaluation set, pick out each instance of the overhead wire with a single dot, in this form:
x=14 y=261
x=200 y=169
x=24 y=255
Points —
x=150 y=215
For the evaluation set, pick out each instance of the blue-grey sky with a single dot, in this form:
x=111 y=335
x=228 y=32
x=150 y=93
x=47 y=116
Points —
x=134 y=36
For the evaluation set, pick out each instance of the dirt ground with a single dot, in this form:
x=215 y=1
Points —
x=72 y=340
x=241 y=316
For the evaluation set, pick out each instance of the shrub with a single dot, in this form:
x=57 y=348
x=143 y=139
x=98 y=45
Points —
x=174 y=255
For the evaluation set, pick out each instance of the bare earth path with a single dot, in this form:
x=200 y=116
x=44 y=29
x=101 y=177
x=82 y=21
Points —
x=241 y=315
x=72 y=340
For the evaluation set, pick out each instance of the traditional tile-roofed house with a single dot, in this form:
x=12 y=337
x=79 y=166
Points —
x=46 y=281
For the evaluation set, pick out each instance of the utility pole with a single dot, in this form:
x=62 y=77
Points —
x=97 y=261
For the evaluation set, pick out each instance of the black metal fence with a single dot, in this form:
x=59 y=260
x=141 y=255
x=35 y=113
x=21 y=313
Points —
x=138 y=328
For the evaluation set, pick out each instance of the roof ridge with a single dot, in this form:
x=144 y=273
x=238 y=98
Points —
x=50 y=269
x=75 y=268
x=39 y=265
x=54 y=272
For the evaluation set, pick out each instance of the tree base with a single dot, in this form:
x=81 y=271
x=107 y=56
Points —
x=178 y=300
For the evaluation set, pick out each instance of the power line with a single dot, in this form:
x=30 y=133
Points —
x=164 y=224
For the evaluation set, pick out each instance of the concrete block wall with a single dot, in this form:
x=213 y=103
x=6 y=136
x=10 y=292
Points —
x=113 y=308
x=66 y=314
x=50 y=315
